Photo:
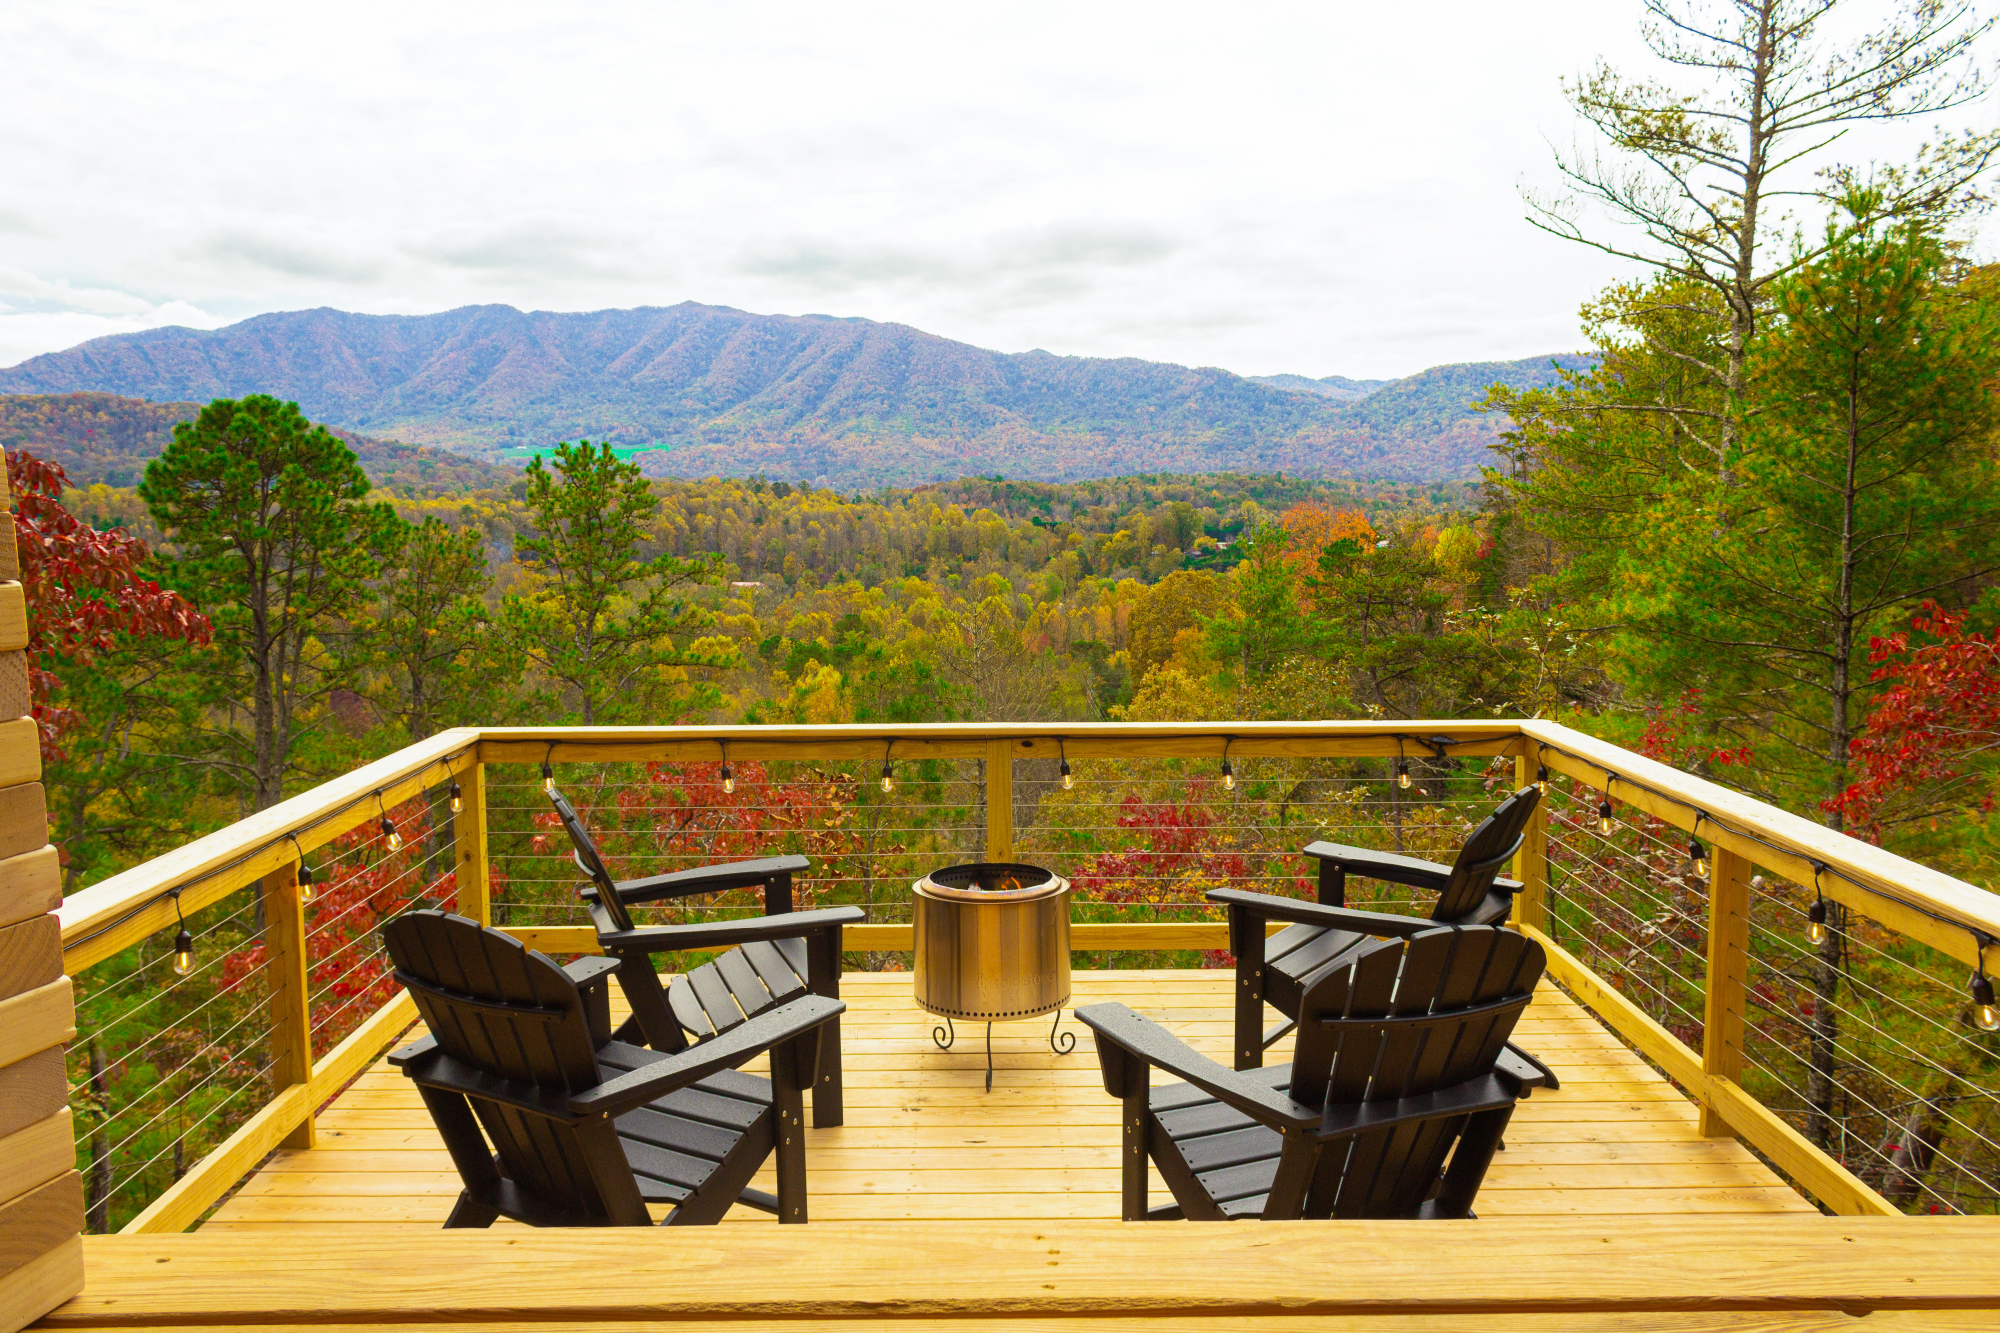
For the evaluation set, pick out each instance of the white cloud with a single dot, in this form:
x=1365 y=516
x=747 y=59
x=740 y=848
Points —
x=1316 y=188
x=29 y=333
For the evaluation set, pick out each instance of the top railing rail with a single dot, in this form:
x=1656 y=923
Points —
x=1926 y=905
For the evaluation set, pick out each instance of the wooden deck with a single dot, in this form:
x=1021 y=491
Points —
x=924 y=1141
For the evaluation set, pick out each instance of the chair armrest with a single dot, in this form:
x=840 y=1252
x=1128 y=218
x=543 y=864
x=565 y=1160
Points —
x=1485 y=1093
x=784 y=926
x=1515 y=1069
x=402 y=1056
x=1141 y=1037
x=1407 y=870
x=588 y=972
x=1270 y=907
x=432 y=1068
x=734 y=1047
x=709 y=879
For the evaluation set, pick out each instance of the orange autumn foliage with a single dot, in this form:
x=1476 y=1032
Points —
x=1313 y=526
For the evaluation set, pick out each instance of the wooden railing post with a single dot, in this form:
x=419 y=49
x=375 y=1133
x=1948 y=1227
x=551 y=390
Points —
x=999 y=801
x=1531 y=863
x=291 y=1008
x=1727 y=989
x=469 y=848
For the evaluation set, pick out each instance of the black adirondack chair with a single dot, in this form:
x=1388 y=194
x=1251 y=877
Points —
x=774 y=957
x=1277 y=971
x=1398 y=1071
x=587 y=1131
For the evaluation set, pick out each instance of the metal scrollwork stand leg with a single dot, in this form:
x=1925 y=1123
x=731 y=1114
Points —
x=944 y=1036
x=989 y=1057
x=1061 y=1043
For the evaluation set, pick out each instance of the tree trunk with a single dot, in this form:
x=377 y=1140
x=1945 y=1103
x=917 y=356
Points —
x=1911 y=1147
x=1825 y=1026
x=97 y=1212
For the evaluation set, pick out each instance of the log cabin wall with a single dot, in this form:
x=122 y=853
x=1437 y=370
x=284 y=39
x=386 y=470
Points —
x=41 y=1192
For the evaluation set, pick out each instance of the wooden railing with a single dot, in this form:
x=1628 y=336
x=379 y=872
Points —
x=1942 y=912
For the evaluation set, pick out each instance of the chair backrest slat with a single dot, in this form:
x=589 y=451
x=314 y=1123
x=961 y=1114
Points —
x=1404 y=1018
x=591 y=861
x=1485 y=855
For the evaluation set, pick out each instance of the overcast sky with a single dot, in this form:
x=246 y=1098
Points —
x=1322 y=189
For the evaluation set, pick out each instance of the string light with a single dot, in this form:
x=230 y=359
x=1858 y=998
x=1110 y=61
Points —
x=1542 y=779
x=1403 y=778
x=548 y=774
x=183 y=942
x=305 y=874
x=1068 y=780
x=390 y=838
x=457 y=799
x=1985 y=1013
x=888 y=770
x=1697 y=854
x=1228 y=773
x=1606 y=820
x=728 y=776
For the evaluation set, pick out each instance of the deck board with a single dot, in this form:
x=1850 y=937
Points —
x=923 y=1140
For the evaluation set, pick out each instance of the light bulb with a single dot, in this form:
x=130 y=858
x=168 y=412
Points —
x=390 y=838
x=306 y=893
x=888 y=778
x=1697 y=859
x=457 y=799
x=1228 y=777
x=548 y=781
x=183 y=953
x=1069 y=780
x=1816 y=921
x=1985 y=1013
x=1542 y=780
x=728 y=780
x=1403 y=778
x=1606 y=821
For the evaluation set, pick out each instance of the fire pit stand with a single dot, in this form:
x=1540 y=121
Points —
x=992 y=943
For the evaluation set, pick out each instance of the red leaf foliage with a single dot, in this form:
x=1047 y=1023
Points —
x=84 y=590
x=349 y=976
x=1941 y=707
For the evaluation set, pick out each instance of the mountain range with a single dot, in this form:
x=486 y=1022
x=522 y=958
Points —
x=697 y=390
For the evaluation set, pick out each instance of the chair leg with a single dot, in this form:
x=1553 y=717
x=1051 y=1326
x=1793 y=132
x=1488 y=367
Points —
x=1132 y=1149
x=823 y=978
x=469 y=1212
x=788 y=1127
x=1246 y=935
x=829 y=1101
x=1476 y=1145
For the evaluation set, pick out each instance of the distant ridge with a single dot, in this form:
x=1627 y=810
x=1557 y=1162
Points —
x=101 y=437
x=1337 y=387
x=695 y=390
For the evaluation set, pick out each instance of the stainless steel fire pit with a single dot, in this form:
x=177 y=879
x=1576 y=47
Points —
x=992 y=945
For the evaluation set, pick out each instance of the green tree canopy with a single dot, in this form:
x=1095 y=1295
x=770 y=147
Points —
x=272 y=530
x=607 y=623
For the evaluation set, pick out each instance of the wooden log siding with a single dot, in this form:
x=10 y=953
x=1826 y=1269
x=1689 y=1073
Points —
x=41 y=1194
x=94 y=928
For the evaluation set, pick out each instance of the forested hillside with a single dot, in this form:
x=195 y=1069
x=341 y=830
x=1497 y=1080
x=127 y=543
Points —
x=699 y=390
x=103 y=438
